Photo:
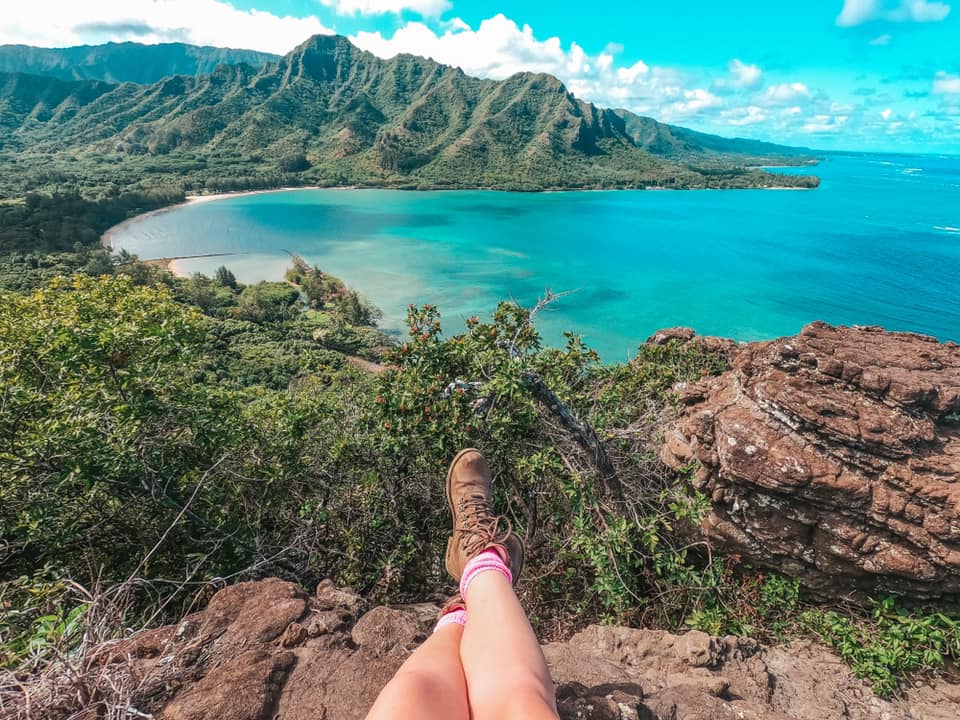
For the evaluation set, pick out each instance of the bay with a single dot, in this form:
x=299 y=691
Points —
x=877 y=244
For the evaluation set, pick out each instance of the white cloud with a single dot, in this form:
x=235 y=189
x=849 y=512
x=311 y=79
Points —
x=750 y=115
x=785 y=93
x=428 y=8
x=825 y=124
x=858 y=12
x=923 y=11
x=882 y=39
x=696 y=100
x=497 y=49
x=743 y=75
x=629 y=75
x=53 y=23
x=855 y=12
x=945 y=84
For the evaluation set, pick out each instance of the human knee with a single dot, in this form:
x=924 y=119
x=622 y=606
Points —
x=417 y=694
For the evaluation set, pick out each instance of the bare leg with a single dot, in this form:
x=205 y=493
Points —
x=429 y=685
x=507 y=676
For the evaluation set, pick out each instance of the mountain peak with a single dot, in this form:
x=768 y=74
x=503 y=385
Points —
x=323 y=58
x=324 y=43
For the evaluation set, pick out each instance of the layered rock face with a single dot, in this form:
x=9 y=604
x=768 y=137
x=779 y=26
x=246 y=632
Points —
x=265 y=650
x=832 y=456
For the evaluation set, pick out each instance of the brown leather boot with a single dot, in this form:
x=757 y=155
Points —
x=475 y=527
x=454 y=602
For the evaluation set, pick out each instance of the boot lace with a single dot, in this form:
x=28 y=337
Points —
x=479 y=527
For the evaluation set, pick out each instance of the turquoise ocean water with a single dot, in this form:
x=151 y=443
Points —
x=877 y=244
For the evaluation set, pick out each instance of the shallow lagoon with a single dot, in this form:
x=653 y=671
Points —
x=878 y=243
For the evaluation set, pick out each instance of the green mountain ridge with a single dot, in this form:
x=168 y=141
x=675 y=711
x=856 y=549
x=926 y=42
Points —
x=674 y=141
x=124 y=62
x=331 y=114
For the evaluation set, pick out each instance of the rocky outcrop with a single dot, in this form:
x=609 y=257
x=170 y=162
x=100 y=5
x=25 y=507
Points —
x=832 y=456
x=265 y=650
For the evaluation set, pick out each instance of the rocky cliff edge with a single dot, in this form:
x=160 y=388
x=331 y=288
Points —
x=832 y=456
x=264 y=650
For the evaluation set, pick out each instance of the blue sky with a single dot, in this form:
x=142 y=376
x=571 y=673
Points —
x=834 y=74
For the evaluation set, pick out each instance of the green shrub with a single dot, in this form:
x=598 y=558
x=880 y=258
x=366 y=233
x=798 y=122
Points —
x=890 y=644
x=37 y=617
x=145 y=441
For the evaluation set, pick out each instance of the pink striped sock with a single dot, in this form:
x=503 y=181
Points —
x=488 y=560
x=457 y=617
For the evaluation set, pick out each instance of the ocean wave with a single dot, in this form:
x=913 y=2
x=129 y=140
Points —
x=509 y=253
x=911 y=171
x=947 y=229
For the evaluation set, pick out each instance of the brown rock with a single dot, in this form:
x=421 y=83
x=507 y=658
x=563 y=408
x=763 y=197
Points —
x=604 y=702
x=245 y=688
x=387 y=631
x=833 y=456
x=603 y=673
x=696 y=649
x=330 y=597
x=294 y=635
x=662 y=337
x=335 y=683
x=253 y=612
x=322 y=622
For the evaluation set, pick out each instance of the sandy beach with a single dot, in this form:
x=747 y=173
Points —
x=170 y=263
x=106 y=240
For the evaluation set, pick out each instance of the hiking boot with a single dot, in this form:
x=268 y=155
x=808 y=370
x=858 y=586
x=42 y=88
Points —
x=475 y=527
x=454 y=603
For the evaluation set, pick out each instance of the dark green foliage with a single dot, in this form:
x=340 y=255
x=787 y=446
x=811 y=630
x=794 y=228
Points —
x=130 y=444
x=244 y=354
x=105 y=432
x=222 y=276
x=57 y=223
x=26 y=271
x=37 y=612
x=267 y=302
x=295 y=163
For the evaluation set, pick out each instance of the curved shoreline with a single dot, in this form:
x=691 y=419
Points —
x=106 y=240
